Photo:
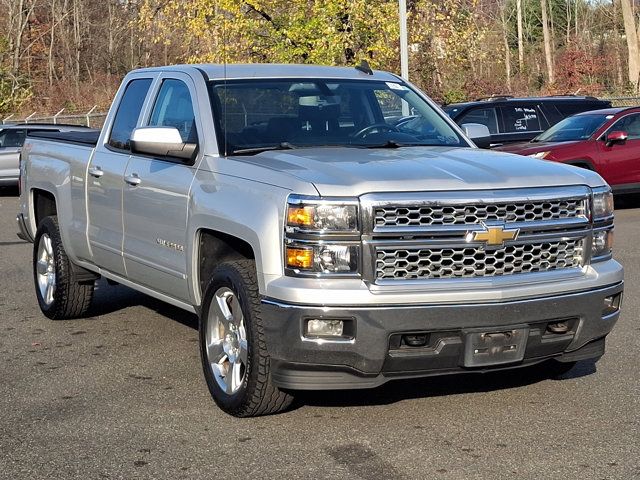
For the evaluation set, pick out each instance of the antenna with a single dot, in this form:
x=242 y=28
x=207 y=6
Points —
x=364 y=67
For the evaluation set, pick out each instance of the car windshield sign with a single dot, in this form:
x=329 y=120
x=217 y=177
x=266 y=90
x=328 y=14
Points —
x=576 y=128
x=254 y=116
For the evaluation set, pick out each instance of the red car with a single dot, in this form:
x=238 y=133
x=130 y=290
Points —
x=606 y=141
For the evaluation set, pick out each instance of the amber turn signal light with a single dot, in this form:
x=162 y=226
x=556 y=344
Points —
x=300 y=216
x=299 y=257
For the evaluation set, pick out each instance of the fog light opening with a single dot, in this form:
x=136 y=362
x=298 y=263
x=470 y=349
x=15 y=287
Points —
x=611 y=304
x=317 y=328
x=415 y=340
x=558 y=327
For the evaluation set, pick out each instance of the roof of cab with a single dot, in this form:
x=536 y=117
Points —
x=270 y=70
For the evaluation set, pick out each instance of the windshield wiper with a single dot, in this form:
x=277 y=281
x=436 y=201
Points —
x=394 y=144
x=255 y=150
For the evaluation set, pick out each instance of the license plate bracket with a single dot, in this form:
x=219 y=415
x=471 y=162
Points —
x=495 y=347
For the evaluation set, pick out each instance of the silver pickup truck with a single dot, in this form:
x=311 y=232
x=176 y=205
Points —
x=324 y=242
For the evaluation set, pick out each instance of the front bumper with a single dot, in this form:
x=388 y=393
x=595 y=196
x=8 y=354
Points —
x=374 y=356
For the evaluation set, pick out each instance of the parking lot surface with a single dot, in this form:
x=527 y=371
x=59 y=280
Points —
x=120 y=394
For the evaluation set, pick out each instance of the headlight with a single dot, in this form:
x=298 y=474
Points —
x=539 y=154
x=323 y=217
x=323 y=258
x=322 y=237
x=602 y=203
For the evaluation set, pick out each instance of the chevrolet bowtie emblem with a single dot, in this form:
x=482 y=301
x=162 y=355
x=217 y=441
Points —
x=493 y=235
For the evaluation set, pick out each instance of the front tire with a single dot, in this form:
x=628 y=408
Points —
x=232 y=344
x=59 y=294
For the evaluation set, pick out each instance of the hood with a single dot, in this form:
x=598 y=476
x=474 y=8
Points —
x=528 y=148
x=353 y=171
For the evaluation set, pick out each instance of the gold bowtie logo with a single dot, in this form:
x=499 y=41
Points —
x=493 y=235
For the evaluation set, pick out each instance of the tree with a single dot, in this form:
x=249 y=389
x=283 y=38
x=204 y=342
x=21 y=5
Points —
x=548 y=41
x=632 y=43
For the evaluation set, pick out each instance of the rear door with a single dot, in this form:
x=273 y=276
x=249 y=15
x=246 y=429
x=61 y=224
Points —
x=156 y=204
x=105 y=180
x=620 y=164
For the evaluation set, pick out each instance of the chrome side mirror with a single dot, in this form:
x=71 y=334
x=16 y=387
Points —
x=161 y=142
x=479 y=133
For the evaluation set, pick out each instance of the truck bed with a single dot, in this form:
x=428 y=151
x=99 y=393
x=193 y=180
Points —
x=86 y=138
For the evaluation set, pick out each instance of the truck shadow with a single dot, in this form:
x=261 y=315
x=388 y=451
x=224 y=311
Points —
x=9 y=192
x=113 y=298
x=399 y=390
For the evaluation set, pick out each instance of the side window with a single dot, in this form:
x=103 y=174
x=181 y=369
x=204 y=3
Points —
x=174 y=108
x=128 y=112
x=12 y=137
x=521 y=118
x=484 y=116
x=629 y=124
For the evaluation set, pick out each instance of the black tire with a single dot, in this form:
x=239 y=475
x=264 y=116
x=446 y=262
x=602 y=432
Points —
x=71 y=298
x=256 y=394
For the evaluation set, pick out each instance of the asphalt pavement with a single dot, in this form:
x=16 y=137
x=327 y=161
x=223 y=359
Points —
x=121 y=395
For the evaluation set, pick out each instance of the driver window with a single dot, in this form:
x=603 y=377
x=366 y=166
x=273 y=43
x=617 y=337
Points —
x=629 y=124
x=174 y=108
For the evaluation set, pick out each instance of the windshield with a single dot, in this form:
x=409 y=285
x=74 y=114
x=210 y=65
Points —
x=579 y=127
x=258 y=115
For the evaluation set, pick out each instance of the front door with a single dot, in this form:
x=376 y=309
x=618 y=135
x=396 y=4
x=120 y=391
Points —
x=620 y=164
x=156 y=203
x=105 y=180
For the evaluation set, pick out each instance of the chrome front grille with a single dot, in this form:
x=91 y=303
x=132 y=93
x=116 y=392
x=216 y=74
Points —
x=471 y=262
x=404 y=216
x=440 y=236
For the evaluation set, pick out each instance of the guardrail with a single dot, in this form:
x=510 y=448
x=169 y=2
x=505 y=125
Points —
x=96 y=119
x=89 y=119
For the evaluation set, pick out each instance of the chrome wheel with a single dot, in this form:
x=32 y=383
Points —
x=226 y=341
x=46 y=269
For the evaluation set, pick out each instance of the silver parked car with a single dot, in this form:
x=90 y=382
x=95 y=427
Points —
x=12 y=138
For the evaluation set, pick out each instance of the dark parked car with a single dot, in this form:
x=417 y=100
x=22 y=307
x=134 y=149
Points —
x=520 y=119
x=11 y=139
x=607 y=141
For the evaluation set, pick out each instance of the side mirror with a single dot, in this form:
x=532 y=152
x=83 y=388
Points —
x=161 y=142
x=616 y=138
x=479 y=133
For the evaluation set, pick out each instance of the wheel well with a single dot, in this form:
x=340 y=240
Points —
x=44 y=205
x=215 y=248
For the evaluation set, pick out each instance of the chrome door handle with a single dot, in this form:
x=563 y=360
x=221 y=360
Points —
x=96 y=172
x=133 y=179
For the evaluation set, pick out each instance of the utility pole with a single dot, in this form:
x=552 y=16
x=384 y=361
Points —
x=404 y=43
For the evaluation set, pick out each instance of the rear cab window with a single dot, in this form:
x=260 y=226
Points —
x=126 y=117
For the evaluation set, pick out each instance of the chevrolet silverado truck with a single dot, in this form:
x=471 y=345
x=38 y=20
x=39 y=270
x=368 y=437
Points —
x=321 y=246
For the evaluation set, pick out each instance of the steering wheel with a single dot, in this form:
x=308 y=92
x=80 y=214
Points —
x=376 y=126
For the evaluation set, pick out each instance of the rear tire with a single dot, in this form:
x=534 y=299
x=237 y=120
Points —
x=232 y=344
x=60 y=295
